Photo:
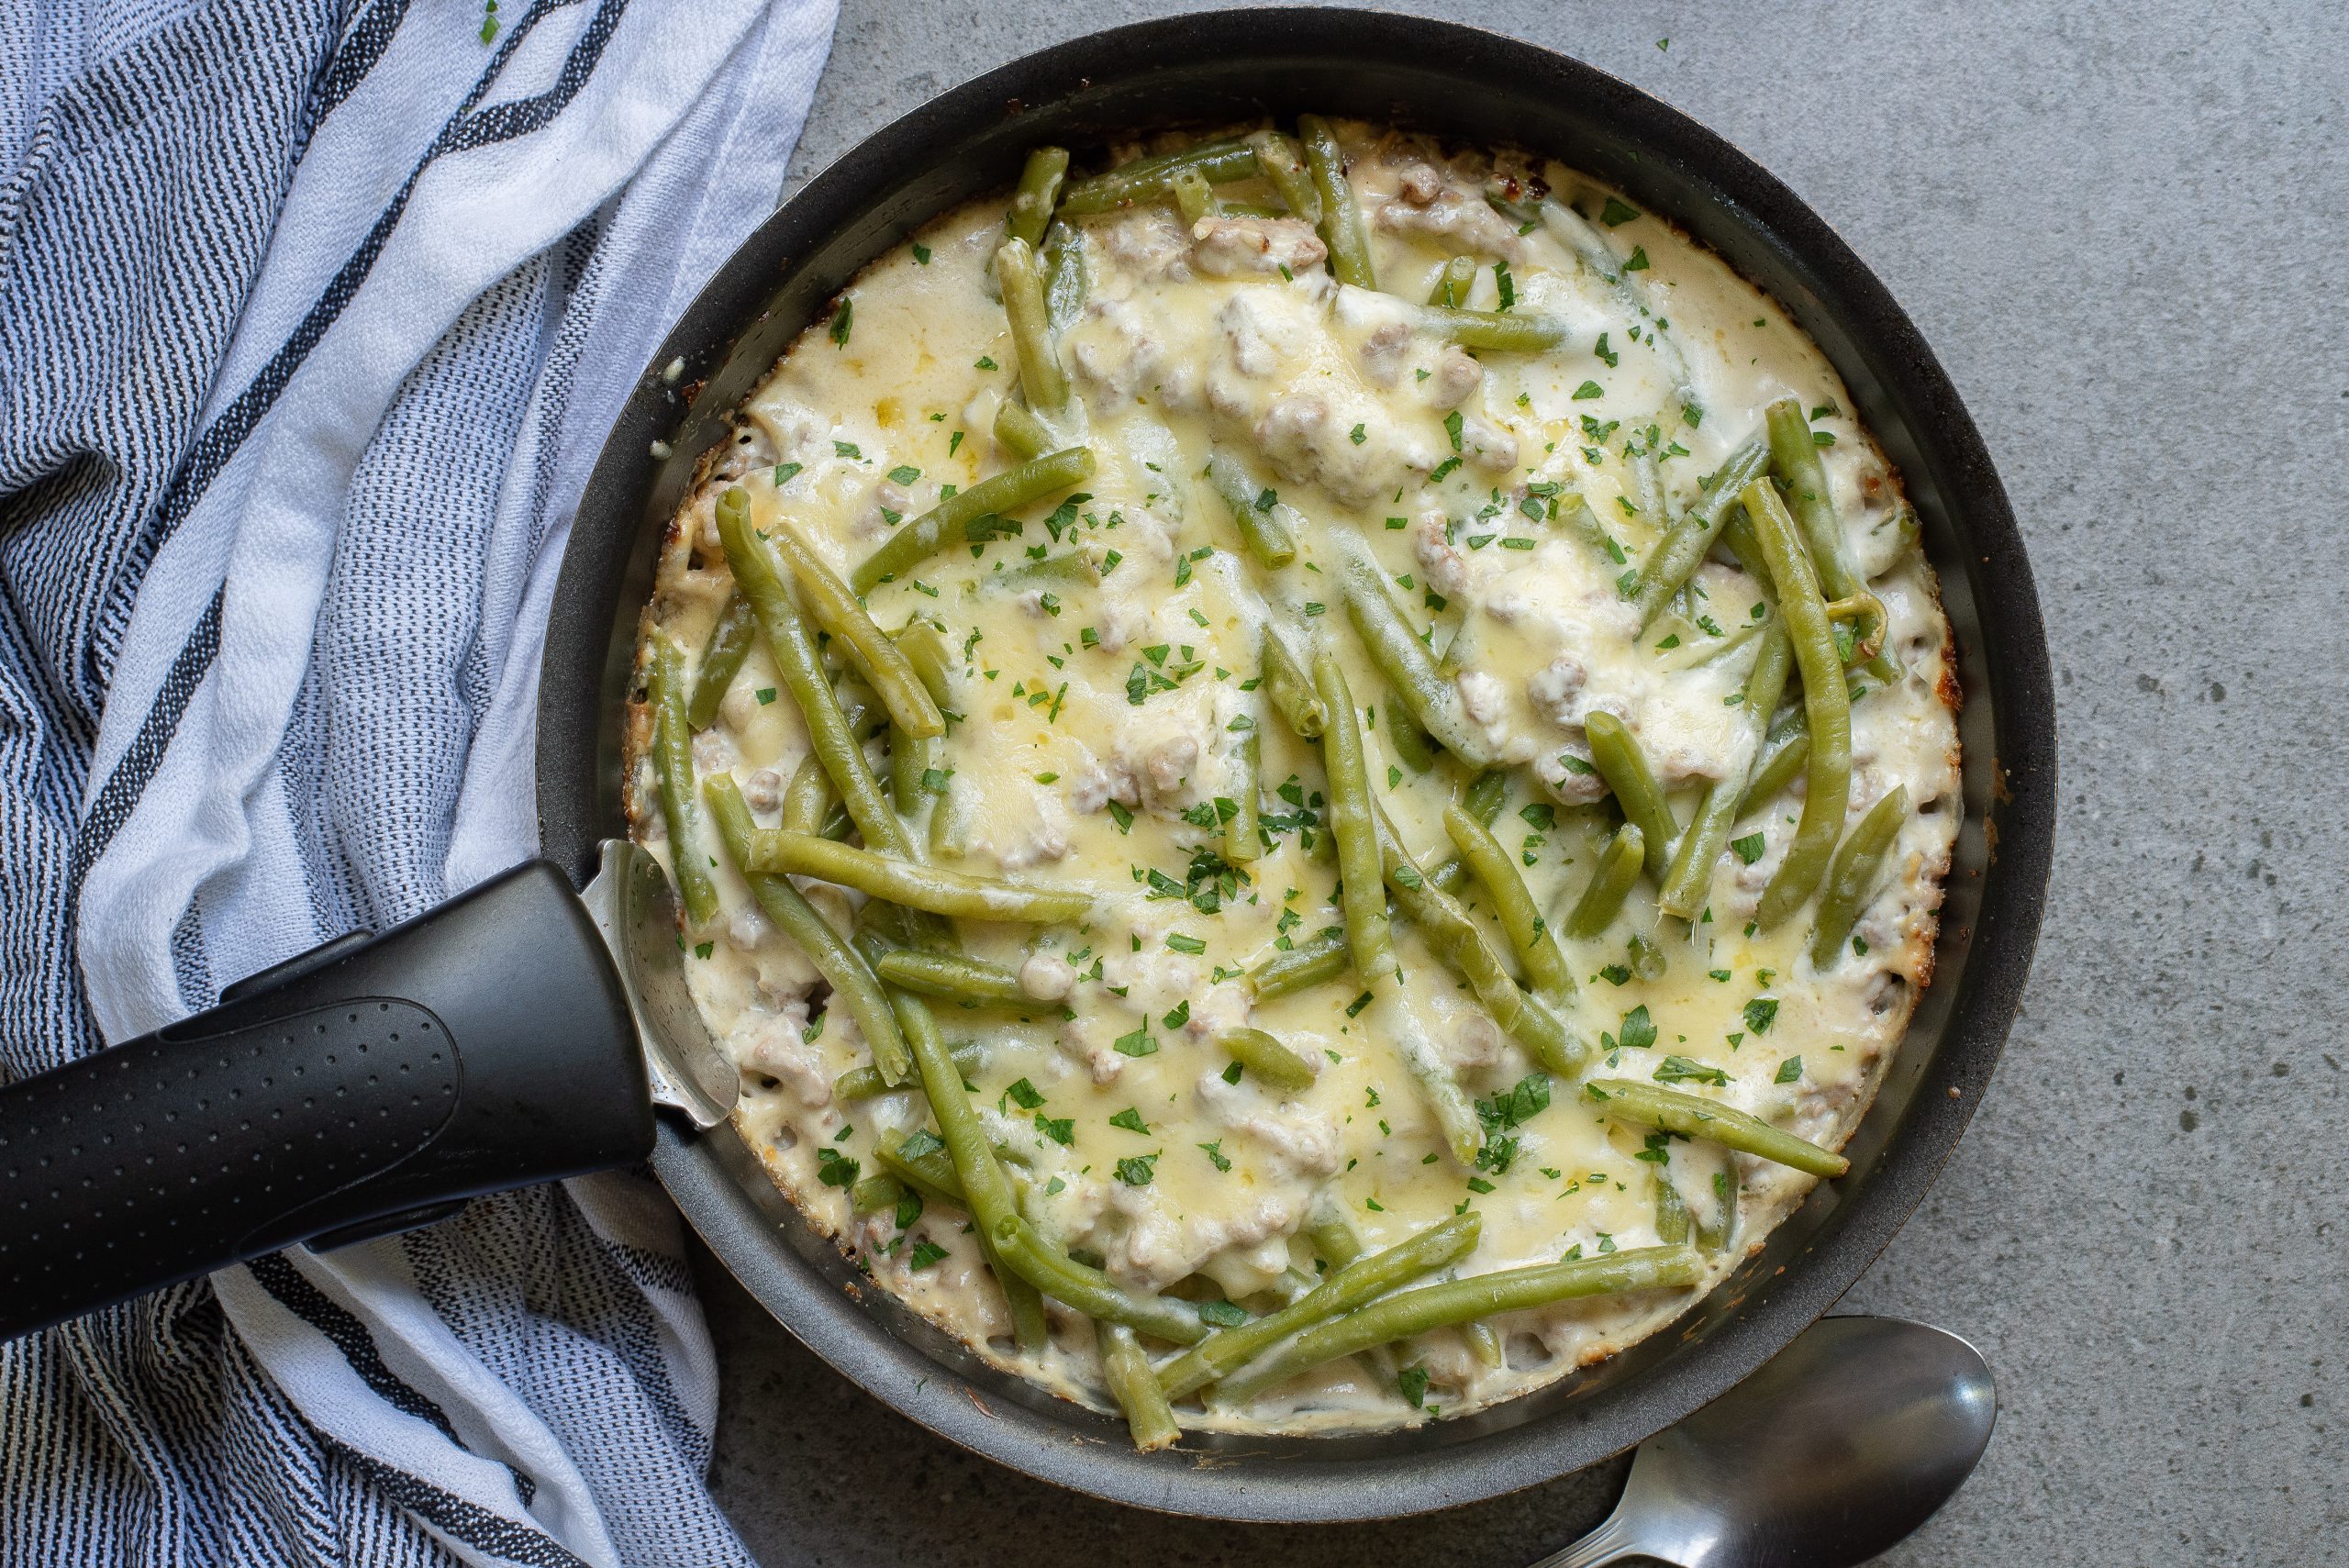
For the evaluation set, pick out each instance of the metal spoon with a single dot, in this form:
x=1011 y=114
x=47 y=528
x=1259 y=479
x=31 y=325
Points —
x=1841 y=1446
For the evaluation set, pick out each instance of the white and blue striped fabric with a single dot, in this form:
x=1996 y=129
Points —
x=313 y=314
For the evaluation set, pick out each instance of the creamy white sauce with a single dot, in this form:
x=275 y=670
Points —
x=1331 y=396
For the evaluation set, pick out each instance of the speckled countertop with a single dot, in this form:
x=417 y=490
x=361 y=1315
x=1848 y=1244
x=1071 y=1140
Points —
x=2121 y=227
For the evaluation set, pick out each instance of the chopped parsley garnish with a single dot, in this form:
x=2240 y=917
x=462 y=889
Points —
x=1130 y=1120
x=1412 y=1383
x=1214 y=1151
x=833 y=1168
x=1789 y=1071
x=1749 y=849
x=1617 y=213
x=842 y=319
x=1136 y=1169
x=1760 y=1012
x=1681 y=1070
x=924 y=1254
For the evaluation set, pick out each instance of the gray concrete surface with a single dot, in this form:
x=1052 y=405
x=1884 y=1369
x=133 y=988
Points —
x=2121 y=227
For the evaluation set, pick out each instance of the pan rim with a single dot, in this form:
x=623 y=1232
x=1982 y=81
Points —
x=1416 y=1476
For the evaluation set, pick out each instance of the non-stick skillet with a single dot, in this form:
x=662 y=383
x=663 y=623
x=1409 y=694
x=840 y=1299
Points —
x=520 y=1032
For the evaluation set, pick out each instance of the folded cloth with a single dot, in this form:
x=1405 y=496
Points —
x=312 y=318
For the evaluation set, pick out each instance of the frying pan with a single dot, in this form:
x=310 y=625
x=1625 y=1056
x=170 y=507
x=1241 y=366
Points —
x=519 y=1033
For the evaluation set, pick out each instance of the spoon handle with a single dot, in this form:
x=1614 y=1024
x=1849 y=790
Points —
x=1610 y=1542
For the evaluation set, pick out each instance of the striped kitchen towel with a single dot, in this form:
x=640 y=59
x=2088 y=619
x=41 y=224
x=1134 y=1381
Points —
x=313 y=314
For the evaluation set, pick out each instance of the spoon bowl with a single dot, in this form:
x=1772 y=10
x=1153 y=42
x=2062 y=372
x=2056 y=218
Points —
x=1845 y=1442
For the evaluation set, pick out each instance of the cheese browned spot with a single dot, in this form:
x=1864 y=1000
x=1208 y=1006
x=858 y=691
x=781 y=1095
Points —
x=1105 y=652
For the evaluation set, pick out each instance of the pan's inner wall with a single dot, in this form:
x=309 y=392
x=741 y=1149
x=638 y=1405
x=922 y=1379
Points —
x=1466 y=86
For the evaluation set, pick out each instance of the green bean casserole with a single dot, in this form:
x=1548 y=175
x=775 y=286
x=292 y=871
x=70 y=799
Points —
x=1309 y=777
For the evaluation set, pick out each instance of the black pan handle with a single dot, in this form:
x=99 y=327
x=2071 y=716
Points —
x=366 y=1086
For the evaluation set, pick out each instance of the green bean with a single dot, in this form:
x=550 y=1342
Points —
x=876 y=1193
x=1127 y=1369
x=721 y=658
x=1647 y=479
x=1583 y=523
x=1504 y=332
x=1341 y=226
x=1020 y=432
x=1691 y=877
x=1070 y=569
x=1289 y=687
x=1021 y=278
x=1690 y=536
x=1851 y=878
x=1284 y=165
x=1307 y=964
x=1267 y=525
x=1459 y=944
x=1827 y=707
x=911 y=759
x=807 y=799
x=1671 y=1210
x=673 y=763
x=836 y=610
x=1367 y=935
x=865 y=1083
x=986 y=1191
x=1485 y=797
x=1038 y=192
x=1064 y=277
x=949 y=522
x=1624 y=766
x=954 y=977
x=933 y=1176
x=1146 y=179
x=1484 y=1340
x=1433 y=1306
x=1693 y=1116
x=1714 y=1234
x=1404 y=659
x=1775 y=768
x=1091 y=1292
x=1333 y=1236
x=915 y=763
x=1243 y=835
x=847 y=973
x=1453 y=282
x=1267 y=1057
x=1610 y=884
x=758 y=577
x=1520 y=917
x=1354 y=1281
x=1194 y=197
x=912 y=884
x=1794 y=459
x=1413 y=747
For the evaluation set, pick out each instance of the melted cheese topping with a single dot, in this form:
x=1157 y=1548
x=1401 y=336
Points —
x=1108 y=650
